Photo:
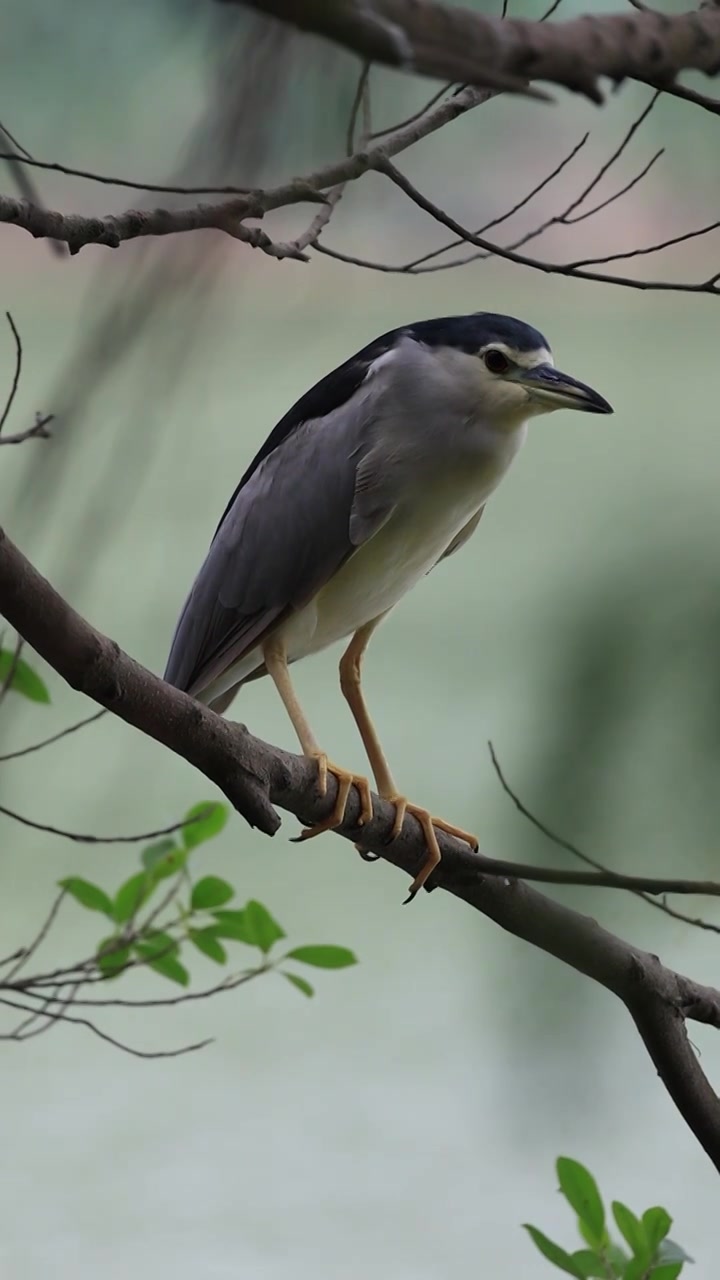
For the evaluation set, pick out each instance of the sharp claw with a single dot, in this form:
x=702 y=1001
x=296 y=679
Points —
x=345 y=781
x=429 y=825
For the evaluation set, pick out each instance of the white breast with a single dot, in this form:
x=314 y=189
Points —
x=386 y=567
x=407 y=547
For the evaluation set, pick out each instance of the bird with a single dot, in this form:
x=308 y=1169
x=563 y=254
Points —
x=374 y=476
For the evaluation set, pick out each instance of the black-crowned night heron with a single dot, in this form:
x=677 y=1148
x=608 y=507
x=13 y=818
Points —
x=375 y=475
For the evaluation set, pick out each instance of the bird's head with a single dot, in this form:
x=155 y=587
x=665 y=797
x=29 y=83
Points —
x=509 y=365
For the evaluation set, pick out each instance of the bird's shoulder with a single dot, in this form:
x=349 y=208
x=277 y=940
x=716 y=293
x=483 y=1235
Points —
x=329 y=394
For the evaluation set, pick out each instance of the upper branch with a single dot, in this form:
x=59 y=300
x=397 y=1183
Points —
x=454 y=43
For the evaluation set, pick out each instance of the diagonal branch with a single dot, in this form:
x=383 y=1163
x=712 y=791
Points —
x=451 y=42
x=255 y=777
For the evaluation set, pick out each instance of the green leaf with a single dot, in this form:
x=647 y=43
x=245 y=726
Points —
x=231 y=924
x=589 y=1263
x=206 y=942
x=87 y=894
x=114 y=962
x=580 y=1190
x=163 y=859
x=669 y=1272
x=323 y=957
x=553 y=1252
x=131 y=895
x=632 y=1230
x=24 y=680
x=262 y=930
x=300 y=983
x=156 y=945
x=209 y=892
x=214 y=817
x=657 y=1222
x=170 y=968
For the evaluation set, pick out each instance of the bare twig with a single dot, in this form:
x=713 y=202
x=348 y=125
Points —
x=102 y=1035
x=79 y=838
x=111 y=180
x=12 y=669
x=562 y=843
x=28 y=952
x=55 y=737
x=605 y=168
x=18 y=369
x=38 y=431
x=573 y=269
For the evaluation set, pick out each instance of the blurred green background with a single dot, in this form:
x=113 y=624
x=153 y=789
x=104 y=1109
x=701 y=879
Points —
x=405 y=1122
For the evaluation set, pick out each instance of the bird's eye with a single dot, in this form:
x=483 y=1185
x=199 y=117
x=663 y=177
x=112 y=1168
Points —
x=496 y=361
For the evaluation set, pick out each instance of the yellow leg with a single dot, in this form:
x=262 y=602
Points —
x=277 y=668
x=351 y=685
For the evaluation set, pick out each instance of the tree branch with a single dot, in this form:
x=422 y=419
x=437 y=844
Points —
x=255 y=777
x=449 y=42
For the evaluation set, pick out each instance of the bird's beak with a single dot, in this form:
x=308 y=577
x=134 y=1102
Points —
x=559 y=391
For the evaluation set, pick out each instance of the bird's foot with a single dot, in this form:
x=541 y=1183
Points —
x=430 y=825
x=345 y=781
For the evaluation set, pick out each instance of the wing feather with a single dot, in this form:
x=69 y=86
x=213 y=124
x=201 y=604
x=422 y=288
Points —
x=289 y=528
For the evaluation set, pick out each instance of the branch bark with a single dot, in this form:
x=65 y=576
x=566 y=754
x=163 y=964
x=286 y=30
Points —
x=256 y=776
x=454 y=43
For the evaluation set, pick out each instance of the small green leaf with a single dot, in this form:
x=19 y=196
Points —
x=209 y=892
x=206 y=942
x=112 y=963
x=262 y=930
x=657 y=1222
x=156 y=945
x=669 y=1272
x=214 y=817
x=131 y=895
x=163 y=859
x=323 y=957
x=170 y=968
x=231 y=924
x=87 y=894
x=589 y=1263
x=553 y=1252
x=24 y=680
x=580 y=1190
x=300 y=983
x=631 y=1229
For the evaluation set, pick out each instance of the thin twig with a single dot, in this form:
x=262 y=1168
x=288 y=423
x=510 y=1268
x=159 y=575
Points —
x=495 y=222
x=605 y=168
x=103 y=1035
x=228 y=984
x=562 y=843
x=23 y=150
x=38 y=431
x=55 y=737
x=39 y=939
x=646 y=249
x=12 y=669
x=80 y=838
x=589 y=213
x=18 y=370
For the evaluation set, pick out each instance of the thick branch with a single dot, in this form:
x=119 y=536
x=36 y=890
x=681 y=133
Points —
x=455 y=43
x=255 y=776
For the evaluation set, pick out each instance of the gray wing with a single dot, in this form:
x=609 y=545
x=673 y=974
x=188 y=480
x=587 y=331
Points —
x=461 y=538
x=301 y=513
